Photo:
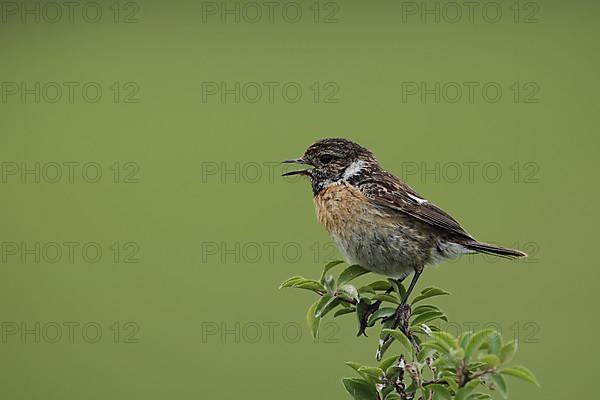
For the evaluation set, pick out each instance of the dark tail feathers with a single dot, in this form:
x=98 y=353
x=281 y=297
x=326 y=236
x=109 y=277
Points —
x=495 y=250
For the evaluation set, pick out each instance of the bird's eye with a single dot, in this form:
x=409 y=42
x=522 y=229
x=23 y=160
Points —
x=326 y=158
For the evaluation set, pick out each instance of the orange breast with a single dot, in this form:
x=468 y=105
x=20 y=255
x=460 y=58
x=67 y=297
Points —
x=341 y=204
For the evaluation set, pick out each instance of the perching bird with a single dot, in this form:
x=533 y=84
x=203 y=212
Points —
x=376 y=220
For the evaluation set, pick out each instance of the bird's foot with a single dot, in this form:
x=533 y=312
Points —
x=402 y=315
x=400 y=318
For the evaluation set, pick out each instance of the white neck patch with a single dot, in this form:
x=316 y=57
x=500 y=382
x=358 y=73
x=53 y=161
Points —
x=353 y=169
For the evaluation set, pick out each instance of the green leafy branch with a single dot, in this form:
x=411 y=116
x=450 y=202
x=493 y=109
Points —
x=432 y=364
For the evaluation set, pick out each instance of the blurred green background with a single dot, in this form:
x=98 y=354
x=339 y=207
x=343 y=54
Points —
x=195 y=227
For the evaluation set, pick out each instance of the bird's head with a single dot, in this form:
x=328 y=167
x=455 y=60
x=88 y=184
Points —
x=333 y=160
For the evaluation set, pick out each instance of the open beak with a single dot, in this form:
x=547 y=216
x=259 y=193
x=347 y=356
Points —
x=305 y=171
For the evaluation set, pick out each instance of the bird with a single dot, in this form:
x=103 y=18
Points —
x=378 y=221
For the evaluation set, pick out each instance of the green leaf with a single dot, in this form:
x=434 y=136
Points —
x=362 y=309
x=428 y=316
x=423 y=329
x=380 y=285
x=445 y=339
x=355 y=366
x=424 y=308
x=491 y=360
x=451 y=380
x=476 y=365
x=386 y=297
x=303 y=283
x=400 y=338
x=398 y=287
x=412 y=388
x=310 y=284
x=385 y=340
x=441 y=392
x=312 y=320
x=424 y=353
x=327 y=267
x=388 y=362
x=430 y=292
x=360 y=370
x=350 y=273
x=494 y=342
x=326 y=304
x=360 y=389
x=344 y=311
x=330 y=285
x=508 y=351
x=475 y=342
x=473 y=384
x=434 y=345
x=366 y=290
x=479 y=396
x=445 y=345
x=522 y=373
x=499 y=384
x=463 y=392
x=347 y=292
x=290 y=282
x=375 y=373
x=421 y=393
x=380 y=314
x=464 y=339
x=382 y=347
x=392 y=396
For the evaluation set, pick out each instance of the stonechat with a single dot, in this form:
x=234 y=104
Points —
x=376 y=220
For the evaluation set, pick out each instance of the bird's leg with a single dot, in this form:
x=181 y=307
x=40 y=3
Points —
x=373 y=308
x=403 y=311
x=413 y=282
